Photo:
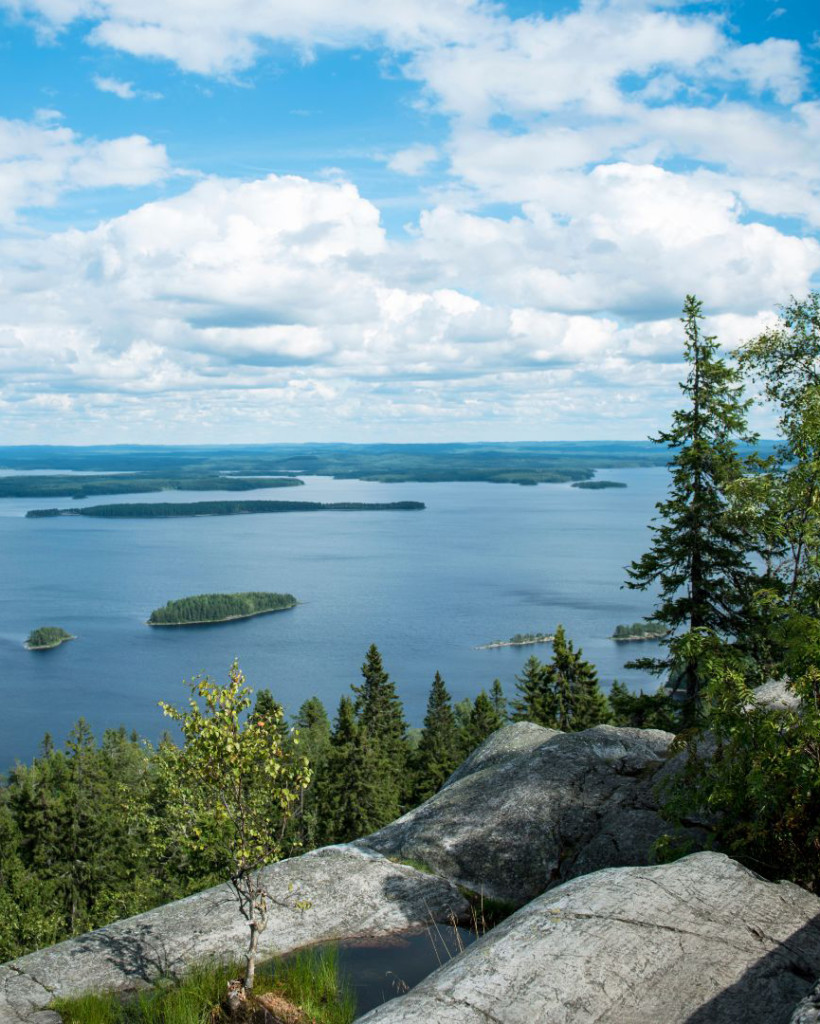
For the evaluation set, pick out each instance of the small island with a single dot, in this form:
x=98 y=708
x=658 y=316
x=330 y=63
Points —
x=596 y=485
x=168 y=510
x=519 y=640
x=47 y=637
x=640 y=631
x=202 y=609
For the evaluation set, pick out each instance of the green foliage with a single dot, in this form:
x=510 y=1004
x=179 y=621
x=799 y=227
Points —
x=219 y=607
x=484 y=720
x=47 y=636
x=640 y=630
x=755 y=776
x=597 y=485
x=232 y=788
x=57 y=486
x=698 y=560
x=309 y=979
x=643 y=710
x=439 y=750
x=564 y=694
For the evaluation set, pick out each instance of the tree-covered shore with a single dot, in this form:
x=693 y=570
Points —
x=173 y=510
x=204 y=608
x=63 y=486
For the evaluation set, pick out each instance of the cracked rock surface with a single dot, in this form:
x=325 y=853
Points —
x=700 y=941
x=533 y=807
x=351 y=892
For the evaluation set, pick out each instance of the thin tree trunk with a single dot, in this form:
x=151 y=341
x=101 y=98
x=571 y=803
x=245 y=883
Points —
x=250 y=973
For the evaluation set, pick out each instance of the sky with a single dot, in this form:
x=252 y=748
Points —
x=435 y=220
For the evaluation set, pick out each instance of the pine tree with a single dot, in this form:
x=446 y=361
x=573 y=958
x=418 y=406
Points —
x=438 y=753
x=698 y=559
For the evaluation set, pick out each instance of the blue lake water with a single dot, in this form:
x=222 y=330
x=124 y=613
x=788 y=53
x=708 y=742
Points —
x=483 y=561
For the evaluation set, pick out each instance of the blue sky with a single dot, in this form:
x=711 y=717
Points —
x=429 y=219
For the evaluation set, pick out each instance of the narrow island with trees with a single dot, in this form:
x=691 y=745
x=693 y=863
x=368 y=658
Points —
x=640 y=631
x=597 y=485
x=167 y=509
x=202 y=609
x=519 y=640
x=46 y=637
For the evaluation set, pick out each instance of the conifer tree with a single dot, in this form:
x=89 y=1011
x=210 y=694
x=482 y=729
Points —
x=438 y=753
x=499 y=701
x=484 y=720
x=578 y=702
x=352 y=801
x=535 y=700
x=698 y=558
x=380 y=718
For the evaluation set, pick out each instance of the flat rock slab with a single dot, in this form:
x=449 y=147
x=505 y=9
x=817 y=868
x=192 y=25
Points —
x=351 y=892
x=533 y=807
x=700 y=941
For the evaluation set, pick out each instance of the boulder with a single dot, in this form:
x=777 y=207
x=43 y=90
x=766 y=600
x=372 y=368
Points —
x=533 y=807
x=700 y=941
x=351 y=893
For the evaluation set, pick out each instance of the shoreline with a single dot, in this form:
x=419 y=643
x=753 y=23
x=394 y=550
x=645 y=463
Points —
x=514 y=643
x=48 y=647
x=632 y=639
x=228 y=618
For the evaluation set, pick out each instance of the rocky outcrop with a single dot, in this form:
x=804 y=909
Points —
x=700 y=941
x=351 y=893
x=533 y=807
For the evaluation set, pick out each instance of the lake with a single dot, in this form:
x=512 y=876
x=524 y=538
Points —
x=482 y=562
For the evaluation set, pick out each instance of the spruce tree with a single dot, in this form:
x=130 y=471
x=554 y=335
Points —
x=438 y=753
x=534 y=702
x=484 y=720
x=499 y=701
x=380 y=717
x=698 y=559
x=578 y=701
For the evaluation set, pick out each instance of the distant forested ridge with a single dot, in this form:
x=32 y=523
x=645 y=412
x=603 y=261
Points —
x=45 y=637
x=166 y=509
x=509 y=462
x=219 y=608
x=92 y=486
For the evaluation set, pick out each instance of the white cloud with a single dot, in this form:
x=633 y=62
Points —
x=124 y=90
x=41 y=161
x=413 y=160
x=280 y=305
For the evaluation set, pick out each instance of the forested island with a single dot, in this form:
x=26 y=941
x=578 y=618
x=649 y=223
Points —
x=597 y=485
x=167 y=509
x=205 y=608
x=640 y=631
x=46 y=637
x=59 y=486
x=519 y=640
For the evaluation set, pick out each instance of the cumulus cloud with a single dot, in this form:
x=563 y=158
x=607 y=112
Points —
x=42 y=160
x=283 y=297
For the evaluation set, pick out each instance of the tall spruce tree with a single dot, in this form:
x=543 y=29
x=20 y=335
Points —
x=380 y=719
x=578 y=702
x=499 y=701
x=534 y=702
x=484 y=720
x=698 y=559
x=439 y=749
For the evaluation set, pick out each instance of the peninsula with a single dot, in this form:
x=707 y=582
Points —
x=202 y=609
x=168 y=510
x=46 y=637
x=519 y=640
